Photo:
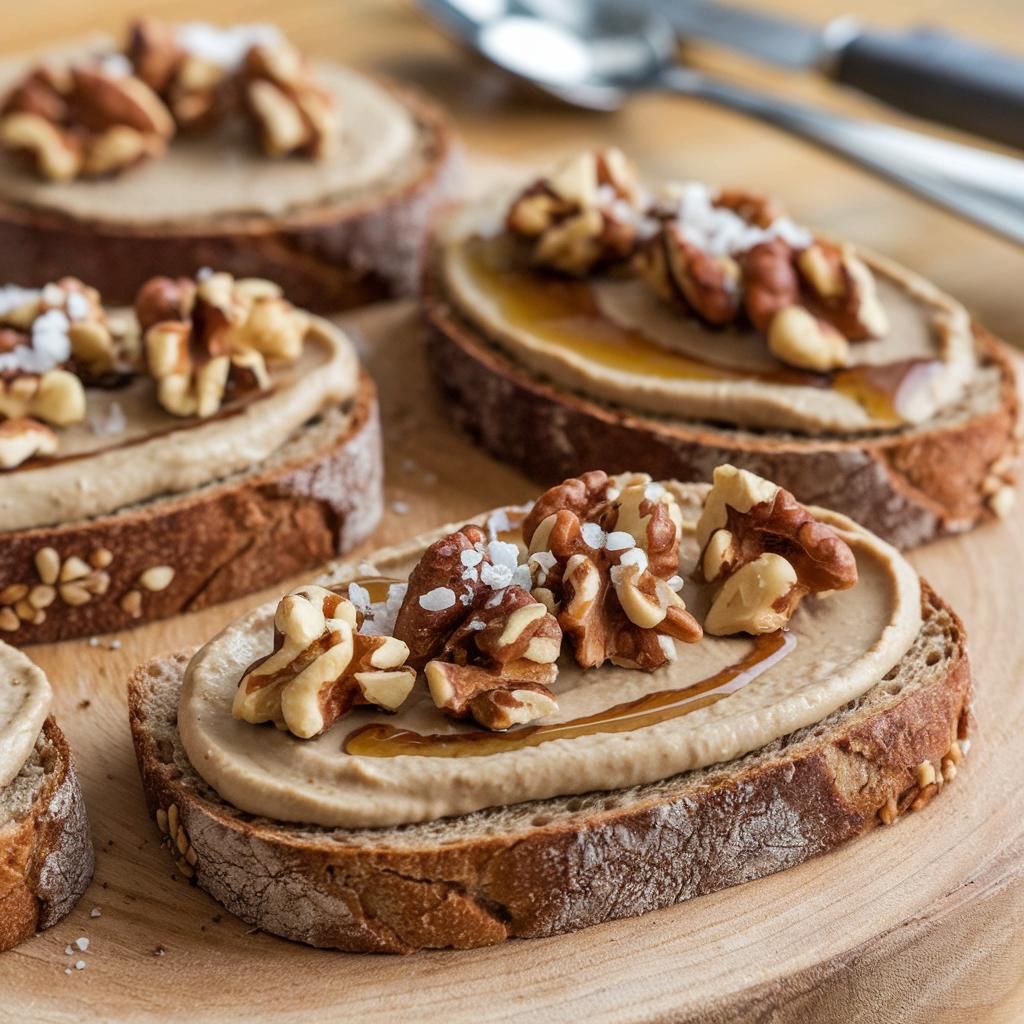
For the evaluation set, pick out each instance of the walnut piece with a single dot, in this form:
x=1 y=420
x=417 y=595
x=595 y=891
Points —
x=56 y=396
x=209 y=340
x=205 y=74
x=844 y=287
x=321 y=667
x=766 y=551
x=704 y=283
x=721 y=255
x=583 y=216
x=24 y=439
x=487 y=647
x=290 y=111
x=90 y=120
x=605 y=559
x=197 y=91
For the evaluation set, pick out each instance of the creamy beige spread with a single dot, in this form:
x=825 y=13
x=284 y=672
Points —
x=25 y=699
x=614 y=339
x=838 y=647
x=157 y=453
x=223 y=174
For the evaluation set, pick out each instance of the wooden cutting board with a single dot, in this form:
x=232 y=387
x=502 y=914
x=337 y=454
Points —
x=918 y=922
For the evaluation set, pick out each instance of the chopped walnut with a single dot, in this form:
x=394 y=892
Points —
x=487 y=647
x=90 y=120
x=50 y=339
x=605 y=557
x=321 y=667
x=844 y=287
x=721 y=255
x=198 y=91
x=291 y=112
x=24 y=439
x=208 y=341
x=767 y=552
x=583 y=216
x=55 y=396
x=705 y=284
x=205 y=73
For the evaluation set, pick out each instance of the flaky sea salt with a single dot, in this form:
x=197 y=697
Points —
x=634 y=556
x=499 y=522
x=225 y=47
x=620 y=540
x=108 y=424
x=675 y=583
x=593 y=535
x=653 y=491
x=502 y=553
x=471 y=558
x=437 y=600
x=497 y=577
x=360 y=597
x=723 y=232
x=116 y=65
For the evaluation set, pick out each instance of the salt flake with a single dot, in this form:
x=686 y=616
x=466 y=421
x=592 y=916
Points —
x=438 y=600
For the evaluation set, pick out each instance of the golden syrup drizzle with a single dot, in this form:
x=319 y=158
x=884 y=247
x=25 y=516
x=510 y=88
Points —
x=565 y=313
x=651 y=709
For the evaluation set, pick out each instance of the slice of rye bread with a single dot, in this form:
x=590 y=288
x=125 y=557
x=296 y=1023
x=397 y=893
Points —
x=557 y=865
x=46 y=855
x=327 y=257
x=319 y=495
x=908 y=486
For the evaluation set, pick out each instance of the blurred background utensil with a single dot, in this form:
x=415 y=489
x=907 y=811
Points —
x=597 y=54
x=925 y=71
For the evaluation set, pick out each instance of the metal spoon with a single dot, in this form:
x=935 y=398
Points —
x=595 y=55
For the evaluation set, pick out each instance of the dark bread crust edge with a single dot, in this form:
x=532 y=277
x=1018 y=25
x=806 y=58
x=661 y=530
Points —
x=907 y=486
x=327 y=258
x=623 y=856
x=222 y=541
x=46 y=859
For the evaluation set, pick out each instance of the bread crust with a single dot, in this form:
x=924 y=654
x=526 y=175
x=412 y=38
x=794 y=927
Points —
x=565 y=864
x=907 y=486
x=326 y=258
x=46 y=859
x=221 y=541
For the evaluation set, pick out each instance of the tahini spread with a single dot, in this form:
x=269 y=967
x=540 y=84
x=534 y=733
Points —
x=837 y=647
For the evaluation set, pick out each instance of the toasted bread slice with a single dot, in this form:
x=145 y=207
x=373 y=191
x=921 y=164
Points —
x=315 y=497
x=327 y=256
x=46 y=855
x=549 y=866
x=909 y=485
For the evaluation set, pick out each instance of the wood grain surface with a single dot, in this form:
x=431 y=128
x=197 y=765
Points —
x=921 y=922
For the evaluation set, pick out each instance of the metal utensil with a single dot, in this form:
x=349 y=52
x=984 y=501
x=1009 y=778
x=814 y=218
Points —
x=595 y=55
x=925 y=71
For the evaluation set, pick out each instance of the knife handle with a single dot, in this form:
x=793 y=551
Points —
x=939 y=76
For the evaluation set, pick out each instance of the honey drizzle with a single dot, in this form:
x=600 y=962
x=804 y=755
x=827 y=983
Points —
x=388 y=741
x=566 y=313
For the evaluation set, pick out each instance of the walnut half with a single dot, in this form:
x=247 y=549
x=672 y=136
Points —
x=487 y=647
x=209 y=340
x=583 y=216
x=766 y=552
x=321 y=667
x=605 y=559
x=90 y=120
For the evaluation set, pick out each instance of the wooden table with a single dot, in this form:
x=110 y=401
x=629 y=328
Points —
x=933 y=909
